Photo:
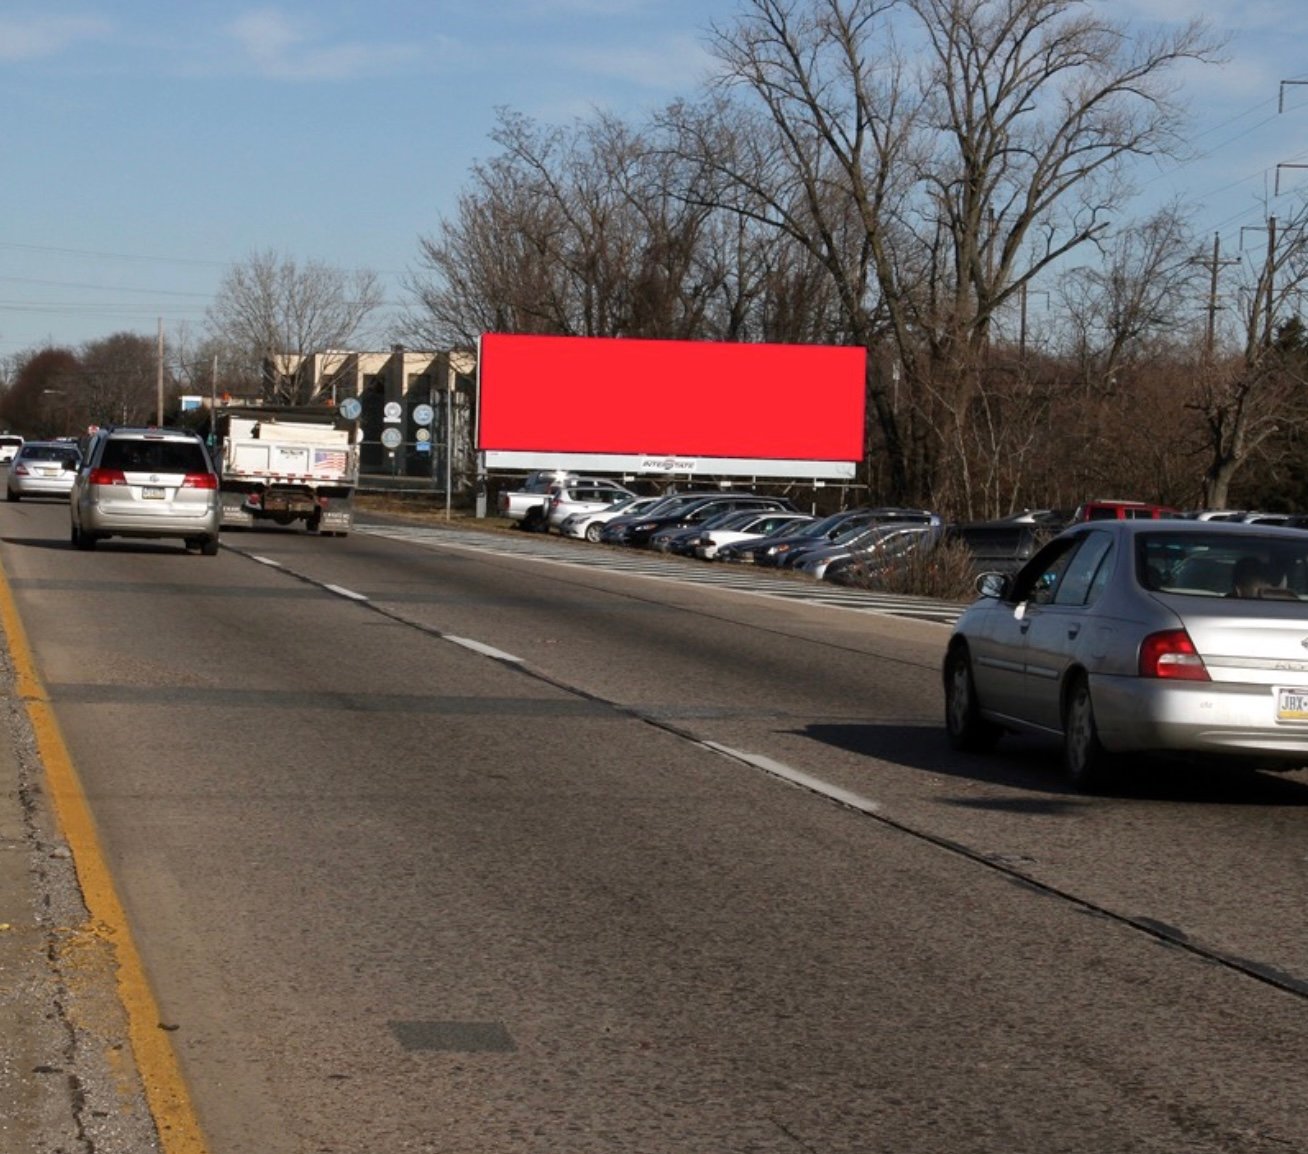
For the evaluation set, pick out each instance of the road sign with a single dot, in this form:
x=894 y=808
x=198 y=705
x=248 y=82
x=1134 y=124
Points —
x=351 y=408
x=392 y=438
x=422 y=436
x=393 y=412
x=424 y=415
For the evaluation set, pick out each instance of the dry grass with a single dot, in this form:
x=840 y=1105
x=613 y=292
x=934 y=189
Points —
x=947 y=573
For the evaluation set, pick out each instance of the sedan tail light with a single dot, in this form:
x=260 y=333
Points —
x=1171 y=655
x=200 y=481
x=106 y=477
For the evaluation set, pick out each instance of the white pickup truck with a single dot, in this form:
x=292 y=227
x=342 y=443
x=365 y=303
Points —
x=545 y=499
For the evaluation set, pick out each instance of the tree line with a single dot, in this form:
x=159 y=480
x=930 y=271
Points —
x=946 y=184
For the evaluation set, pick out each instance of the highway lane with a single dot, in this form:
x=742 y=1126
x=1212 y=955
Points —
x=396 y=893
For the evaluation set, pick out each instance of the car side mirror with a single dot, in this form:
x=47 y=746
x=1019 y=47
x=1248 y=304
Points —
x=993 y=585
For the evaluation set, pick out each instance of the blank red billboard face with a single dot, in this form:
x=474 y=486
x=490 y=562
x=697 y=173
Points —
x=675 y=399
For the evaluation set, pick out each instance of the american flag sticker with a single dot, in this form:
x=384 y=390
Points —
x=329 y=460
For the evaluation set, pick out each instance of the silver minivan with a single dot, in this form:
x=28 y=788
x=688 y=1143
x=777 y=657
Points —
x=146 y=483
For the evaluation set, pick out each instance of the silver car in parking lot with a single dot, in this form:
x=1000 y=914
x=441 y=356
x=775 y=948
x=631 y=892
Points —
x=1147 y=637
x=147 y=483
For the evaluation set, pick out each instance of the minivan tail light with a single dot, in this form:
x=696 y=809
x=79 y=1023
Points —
x=107 y=477
x=1171 y=655
x=200 y=481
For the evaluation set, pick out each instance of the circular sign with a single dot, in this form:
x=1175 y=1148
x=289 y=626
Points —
x=351 y=408
x=423 y=415
x=393 y=411
x=392 y=438
x=422 y=435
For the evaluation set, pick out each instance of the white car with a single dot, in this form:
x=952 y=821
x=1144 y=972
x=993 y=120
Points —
x=587 y=525
x=761 y=524
x=10 y=443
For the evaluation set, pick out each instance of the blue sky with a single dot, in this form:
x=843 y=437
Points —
x=146 y=145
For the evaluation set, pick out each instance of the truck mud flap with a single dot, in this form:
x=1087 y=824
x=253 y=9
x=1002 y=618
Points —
x=234 y=512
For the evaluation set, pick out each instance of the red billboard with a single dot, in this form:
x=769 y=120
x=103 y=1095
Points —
x=670 y=406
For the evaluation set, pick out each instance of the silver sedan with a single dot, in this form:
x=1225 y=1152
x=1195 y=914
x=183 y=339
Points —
x=1141 y=637
x=43 y=469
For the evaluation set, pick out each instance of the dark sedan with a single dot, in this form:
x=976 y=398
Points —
x=681 y=539
x=843 y=527
x=695 y=511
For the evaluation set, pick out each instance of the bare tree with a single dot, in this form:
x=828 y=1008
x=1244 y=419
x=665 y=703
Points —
x=1136 y=304
x=119 y=380
x=933 y=193
x=1256 y=393
x=270 y=304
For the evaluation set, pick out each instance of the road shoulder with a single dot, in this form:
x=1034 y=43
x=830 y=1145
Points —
x=67 y=1078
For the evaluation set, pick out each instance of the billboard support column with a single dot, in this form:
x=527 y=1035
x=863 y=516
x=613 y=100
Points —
x=481 y=485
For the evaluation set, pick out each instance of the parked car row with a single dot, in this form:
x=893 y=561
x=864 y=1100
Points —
x=683 y=511
x=860 y=546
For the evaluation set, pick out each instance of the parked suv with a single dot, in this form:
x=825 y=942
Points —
x=146 y=483
x=582 y=495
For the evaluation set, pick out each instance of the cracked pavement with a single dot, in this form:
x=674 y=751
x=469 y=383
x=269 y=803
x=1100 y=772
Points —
x=68 y=1079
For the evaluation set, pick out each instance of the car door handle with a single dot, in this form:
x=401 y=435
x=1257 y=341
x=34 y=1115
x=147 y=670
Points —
x=1072 y=631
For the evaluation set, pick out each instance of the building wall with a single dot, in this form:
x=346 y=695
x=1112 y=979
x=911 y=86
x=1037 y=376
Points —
x=394 y=388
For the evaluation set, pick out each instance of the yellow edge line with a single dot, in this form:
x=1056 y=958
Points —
x=165 y=1090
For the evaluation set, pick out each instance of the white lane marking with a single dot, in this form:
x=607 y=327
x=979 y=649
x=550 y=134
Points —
x=798 y=777
x=484 y=650
x=265 y=561
x=926 y=610
x=343 y=592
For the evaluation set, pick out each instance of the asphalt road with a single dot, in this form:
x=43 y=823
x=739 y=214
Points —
x=430 y=849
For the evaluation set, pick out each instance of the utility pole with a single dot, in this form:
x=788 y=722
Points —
x=1280 y=103
x=1270 y=275
x=1214 y=265
x=159 y=378
x=1265 y=297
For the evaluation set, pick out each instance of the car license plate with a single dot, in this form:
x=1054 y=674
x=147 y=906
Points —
x=1292 y=705
x=153 y=492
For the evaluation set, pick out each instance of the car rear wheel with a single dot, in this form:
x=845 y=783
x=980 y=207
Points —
x=1085 y=760
x=593 y=532
x=10 y=495
x=209 y=547
x=83 y=539
x=967 y=729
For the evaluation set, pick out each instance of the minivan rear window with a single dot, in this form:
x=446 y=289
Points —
x=133 y=456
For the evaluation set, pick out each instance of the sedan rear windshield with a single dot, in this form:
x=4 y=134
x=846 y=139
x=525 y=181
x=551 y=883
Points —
x=49 y=453
x=1224 y=565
